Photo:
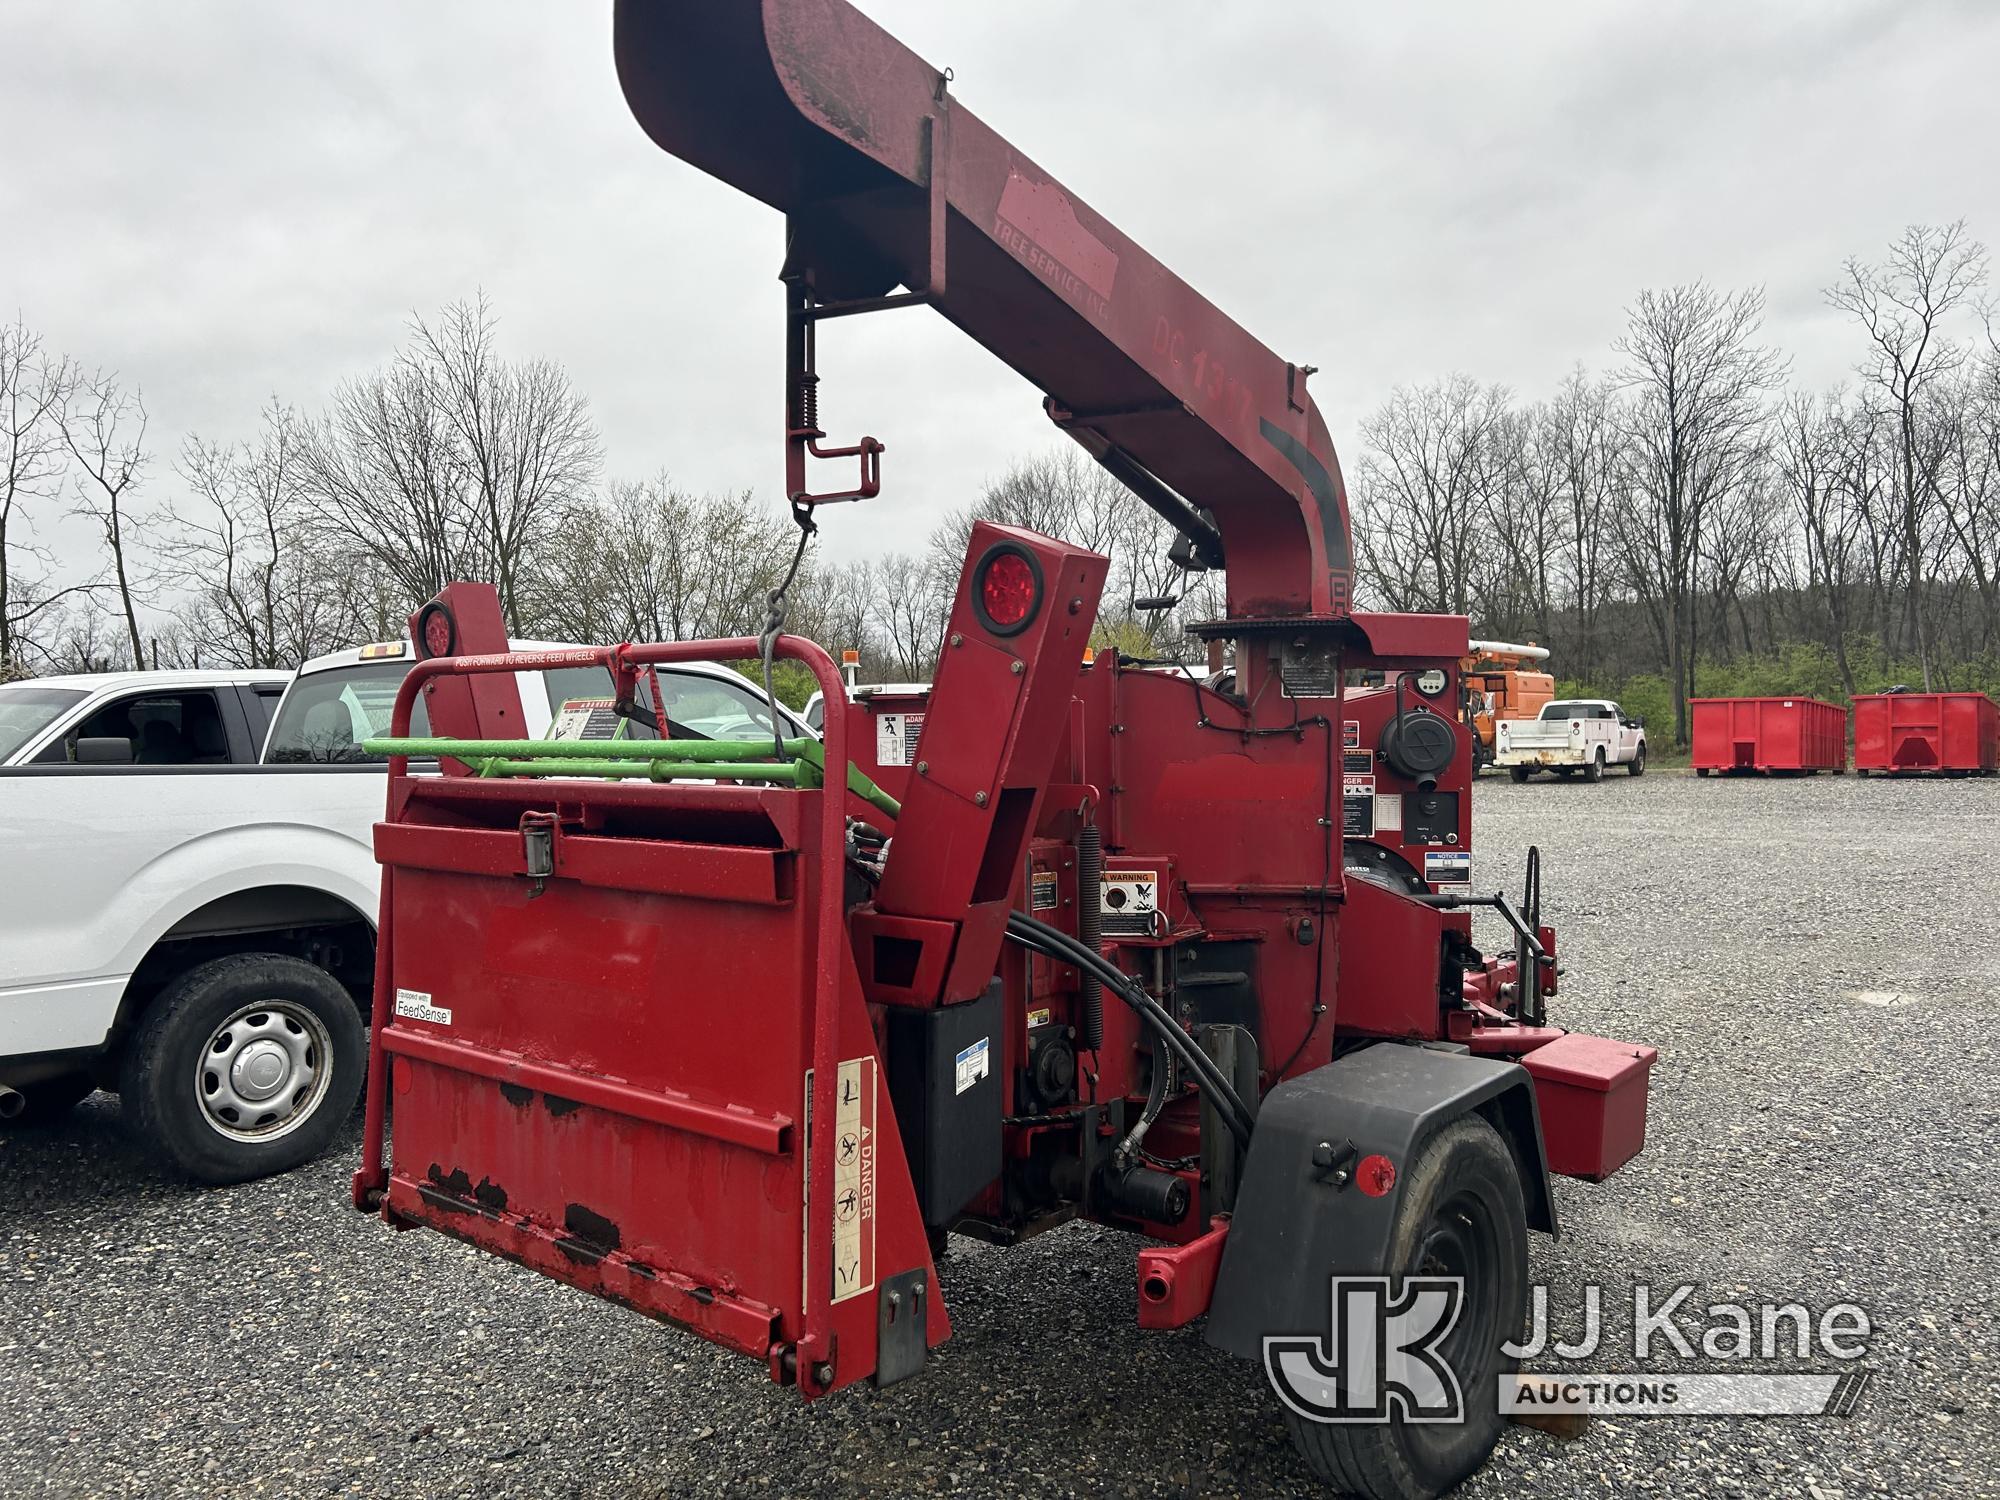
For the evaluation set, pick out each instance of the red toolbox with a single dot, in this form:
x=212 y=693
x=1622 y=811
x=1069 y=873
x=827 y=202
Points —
x=1768 y=734
x=1592 y=1095
x=1901 y=732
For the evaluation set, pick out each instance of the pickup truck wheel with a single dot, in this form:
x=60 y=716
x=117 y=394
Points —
x=1595 y=770
x=1461 y=1215
x=244 y=1066
x=1638 y=763
x=1520 y=773
x=50 y=1099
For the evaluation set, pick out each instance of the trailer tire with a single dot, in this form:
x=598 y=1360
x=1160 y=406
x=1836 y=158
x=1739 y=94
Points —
x=1461 y=1214
x=1520 y=773
x=50 y=1099
x=247 y=1031
x=1594 y=772
x=1637 y=767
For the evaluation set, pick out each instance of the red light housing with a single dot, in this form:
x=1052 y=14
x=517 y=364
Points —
x=1375 y=1175
x=437 y=631
x=1007 y=589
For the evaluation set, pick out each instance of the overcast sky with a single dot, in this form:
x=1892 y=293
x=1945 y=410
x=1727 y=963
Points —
x=228 y=200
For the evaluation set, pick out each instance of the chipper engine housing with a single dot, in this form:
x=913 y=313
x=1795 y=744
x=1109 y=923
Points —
x=734 y=1035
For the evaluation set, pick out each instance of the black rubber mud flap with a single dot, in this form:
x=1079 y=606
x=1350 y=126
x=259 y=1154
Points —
x=1300 y=1215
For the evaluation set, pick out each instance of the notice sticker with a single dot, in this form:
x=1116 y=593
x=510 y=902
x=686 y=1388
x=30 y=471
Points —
x=972 y=1066
x=1447 y=867
x=896 y=738
x=415 y=1005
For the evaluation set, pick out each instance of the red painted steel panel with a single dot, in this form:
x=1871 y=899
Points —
x=1916 y=732
x=1768 y=734
x=1592 y=1095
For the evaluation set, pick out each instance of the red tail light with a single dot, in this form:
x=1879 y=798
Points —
x=437 y=631
x=1007 y=589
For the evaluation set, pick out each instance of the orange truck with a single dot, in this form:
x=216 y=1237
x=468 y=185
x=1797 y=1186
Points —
x=1499 y=681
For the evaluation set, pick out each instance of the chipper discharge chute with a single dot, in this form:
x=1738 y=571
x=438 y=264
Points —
x=727 y=1033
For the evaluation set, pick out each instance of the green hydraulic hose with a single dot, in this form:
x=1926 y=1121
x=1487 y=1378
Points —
x=654 y=760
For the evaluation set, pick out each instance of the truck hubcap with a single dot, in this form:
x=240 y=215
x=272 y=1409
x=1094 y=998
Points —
x=264 y=1071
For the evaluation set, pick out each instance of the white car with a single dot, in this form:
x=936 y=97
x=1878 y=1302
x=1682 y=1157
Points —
x=174 y=718
x=200 y=937
x=1571 y=735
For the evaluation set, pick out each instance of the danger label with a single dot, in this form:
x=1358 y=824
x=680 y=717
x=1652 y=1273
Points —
x=415 y=1005
x=854 y=1179
x=896 y=738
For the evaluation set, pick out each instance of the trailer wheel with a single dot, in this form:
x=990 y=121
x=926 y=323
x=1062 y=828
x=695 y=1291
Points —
x=245 y=1066
x=50 y=1099
x=1520 y=773
x=1595 y=770
x=1638 y=763
x=1462 y=1215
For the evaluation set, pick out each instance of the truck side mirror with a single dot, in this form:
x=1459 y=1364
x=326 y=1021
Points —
x=103 y=750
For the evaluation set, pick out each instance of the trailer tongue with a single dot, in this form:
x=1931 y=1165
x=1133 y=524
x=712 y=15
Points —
x=734 y=1035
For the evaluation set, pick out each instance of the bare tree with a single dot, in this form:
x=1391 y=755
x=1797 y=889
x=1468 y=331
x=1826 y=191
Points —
x=33 y=389
x=524 y=435
x=1423 y=490
x=1581 y=433
x=104 y=427
x=452 y=462
x=910 y=607
x=1903 y=304
x=1698 y=380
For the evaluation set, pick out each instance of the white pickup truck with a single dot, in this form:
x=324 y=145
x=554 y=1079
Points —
x=1571 y=735
x=199 y=936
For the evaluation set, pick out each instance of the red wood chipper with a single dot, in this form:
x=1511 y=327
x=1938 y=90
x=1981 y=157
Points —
x=734 y=1034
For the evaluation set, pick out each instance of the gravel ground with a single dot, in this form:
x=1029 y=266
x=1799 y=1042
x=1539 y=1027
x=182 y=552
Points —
x=1804 y=1144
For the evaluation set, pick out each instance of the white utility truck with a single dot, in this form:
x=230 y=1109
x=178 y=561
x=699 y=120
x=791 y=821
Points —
x=1571 y=735
x=198 y=934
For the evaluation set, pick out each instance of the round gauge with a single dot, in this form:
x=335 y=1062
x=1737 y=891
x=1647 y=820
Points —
x=1432 y=682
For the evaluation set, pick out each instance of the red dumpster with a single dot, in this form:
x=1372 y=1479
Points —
x=1768 y=734
x=1905 y=732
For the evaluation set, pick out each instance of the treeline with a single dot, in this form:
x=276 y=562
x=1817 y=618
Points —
x=324 y=528
x=1683 y=521
x=1686 y=523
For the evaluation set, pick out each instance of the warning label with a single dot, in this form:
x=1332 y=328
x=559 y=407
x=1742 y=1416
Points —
x=415 y=1005
x=1039 y=1016
x=1042 y=891
x=1350 y=734
x=896 y=738
x=1130 y=901
x=586 y=719
x=854 y=1179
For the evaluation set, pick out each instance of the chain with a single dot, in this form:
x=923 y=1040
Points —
x=774 y=623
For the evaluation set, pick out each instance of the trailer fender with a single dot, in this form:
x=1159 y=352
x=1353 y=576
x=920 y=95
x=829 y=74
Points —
x=1302 y=1214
